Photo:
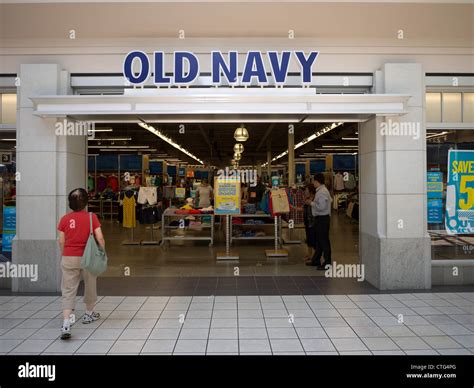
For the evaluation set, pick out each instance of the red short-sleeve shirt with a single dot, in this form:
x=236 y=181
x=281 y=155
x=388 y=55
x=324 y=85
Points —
x=76 y=227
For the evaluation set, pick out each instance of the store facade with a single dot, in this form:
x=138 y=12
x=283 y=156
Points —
x=379 y=87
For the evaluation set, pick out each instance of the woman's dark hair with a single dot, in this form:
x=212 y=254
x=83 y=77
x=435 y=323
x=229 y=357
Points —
x=311 y=188
x=77 y=199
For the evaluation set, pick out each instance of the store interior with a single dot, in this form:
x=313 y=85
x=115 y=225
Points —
x=140 y=175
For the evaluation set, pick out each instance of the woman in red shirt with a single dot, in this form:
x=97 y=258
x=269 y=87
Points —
x=74 y=229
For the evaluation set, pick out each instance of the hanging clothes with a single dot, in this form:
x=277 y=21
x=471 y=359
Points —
x=101 y=183
x=350 y=184
x=147 y=195
x=339 y=182
x=90 y=183
x=113 y=183
x=129 y=211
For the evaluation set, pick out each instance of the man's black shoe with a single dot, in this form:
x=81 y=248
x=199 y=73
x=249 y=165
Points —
x=311 y=264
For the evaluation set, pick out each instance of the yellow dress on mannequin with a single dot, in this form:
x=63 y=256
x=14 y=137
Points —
x=129 y=214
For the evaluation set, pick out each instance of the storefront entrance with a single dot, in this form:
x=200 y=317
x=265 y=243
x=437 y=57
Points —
x=378 y=242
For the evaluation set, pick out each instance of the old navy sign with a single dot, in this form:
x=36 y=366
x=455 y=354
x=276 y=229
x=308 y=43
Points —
x=186 y=67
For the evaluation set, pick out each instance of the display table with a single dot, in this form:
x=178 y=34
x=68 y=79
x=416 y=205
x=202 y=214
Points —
x=166 y=229
x=276 y=236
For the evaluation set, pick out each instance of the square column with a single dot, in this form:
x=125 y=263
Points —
x=49 y=166
x=394 y=244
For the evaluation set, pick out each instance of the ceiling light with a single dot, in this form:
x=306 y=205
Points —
x=168 y=140
x=237 y=156
x=7 y=139
x=121 y=147
x=350 y=138
x=340 y=146
x=102 y=130
x=238 y=148
x=307 y=140
x=241 y=134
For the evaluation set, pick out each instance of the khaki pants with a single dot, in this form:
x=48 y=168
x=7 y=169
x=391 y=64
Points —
x=71 y=269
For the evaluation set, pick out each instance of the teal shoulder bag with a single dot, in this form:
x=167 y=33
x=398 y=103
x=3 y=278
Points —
x=94 y=258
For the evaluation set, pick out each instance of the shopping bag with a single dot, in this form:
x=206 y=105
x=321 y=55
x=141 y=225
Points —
x=280 y=203
x=94 y=258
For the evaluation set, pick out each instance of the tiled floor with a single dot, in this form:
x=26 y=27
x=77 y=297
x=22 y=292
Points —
x=411 y=323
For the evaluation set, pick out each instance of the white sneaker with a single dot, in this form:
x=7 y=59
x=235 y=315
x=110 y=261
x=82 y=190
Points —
x=65 y=332
x=86 y=318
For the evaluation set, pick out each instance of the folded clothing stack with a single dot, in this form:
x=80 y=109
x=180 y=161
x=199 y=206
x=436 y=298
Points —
x=249 y=208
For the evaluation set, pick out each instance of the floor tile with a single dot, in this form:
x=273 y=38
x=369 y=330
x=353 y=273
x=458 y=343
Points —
x=33 y=323
x=454 y=352
x=279 y=322
x=281 y=332
x=135 y=334
x=388 y=352
x=190 y=346
x=222 y=346
x=6 y=323
x=193 y=334
x=254 y=345
x=223 y=333
x=348 y=344
x=317 y=345
x=20 y=334
x=376 y=312
x=351 y=312
x=124 y=314
x=368 y=331
x=454 y=329
x=223 y=322
x=229 y=314
x=340 y=332
x=360 y=321
x=411 y=343
x=168 y=324
x=306 y=322
x=32 y=346
x=398 y=331
x=164 y=334
x=380 y=344
x=355 y=353
x=95 y=347
x=251 y=322
x=106 y=334
x=286 y=345
x=465 y=340
x=426 y=352
x=197 y=324
x=332 y=322
x=142 y=323
x=127 y=347
x=326 y=313
x=252 y=333
x=425 y=330
x=159 y=346
x=115 y=324
x=311 y=332
x=201 y=314
x=59 y=346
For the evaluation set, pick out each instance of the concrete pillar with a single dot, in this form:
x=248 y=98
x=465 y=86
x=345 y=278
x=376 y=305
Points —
x=394 y=243
x=50 y=166
x=291 y=158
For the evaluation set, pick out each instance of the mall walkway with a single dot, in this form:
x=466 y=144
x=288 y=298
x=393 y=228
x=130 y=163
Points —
x=364 y=323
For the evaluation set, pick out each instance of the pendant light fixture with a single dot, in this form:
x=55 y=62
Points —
x=238 y=148
x=241 y=133
x=237 y=156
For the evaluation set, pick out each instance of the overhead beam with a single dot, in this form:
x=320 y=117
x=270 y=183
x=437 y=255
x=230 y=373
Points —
x=266 y=134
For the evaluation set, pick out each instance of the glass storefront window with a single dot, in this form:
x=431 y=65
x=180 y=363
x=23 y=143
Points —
x=433 y=107
x=468 y=107
x=452 y=108
x=8 y=109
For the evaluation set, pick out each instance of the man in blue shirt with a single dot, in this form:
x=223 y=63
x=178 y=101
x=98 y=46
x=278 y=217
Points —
x=321 y=209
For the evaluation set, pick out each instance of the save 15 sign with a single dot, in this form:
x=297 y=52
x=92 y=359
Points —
x=460 y=192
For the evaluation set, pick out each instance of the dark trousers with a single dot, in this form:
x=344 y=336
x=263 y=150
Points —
x=323 y=245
